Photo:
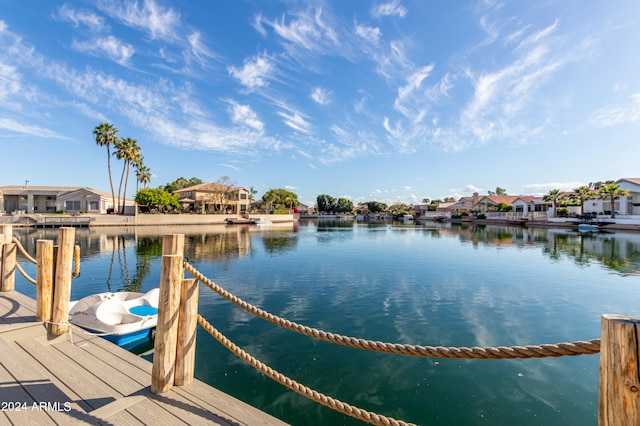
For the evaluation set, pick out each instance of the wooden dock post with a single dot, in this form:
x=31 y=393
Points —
x=171 y=276
x=62 y=283
x=619 y=388
x=44 y=279
x=8 y=259
x=186 y=350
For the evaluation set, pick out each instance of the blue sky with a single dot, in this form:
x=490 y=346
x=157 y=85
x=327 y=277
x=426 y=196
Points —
x=392 y=101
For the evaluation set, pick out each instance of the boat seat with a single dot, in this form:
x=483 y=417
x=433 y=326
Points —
x=113 y=313
x=143 y=310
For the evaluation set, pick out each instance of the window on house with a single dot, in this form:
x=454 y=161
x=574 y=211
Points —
x=243 y=196
x=94 y=205
x=243 y=207
x=72 y=205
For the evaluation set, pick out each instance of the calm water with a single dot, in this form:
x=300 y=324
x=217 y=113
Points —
x=449 y=286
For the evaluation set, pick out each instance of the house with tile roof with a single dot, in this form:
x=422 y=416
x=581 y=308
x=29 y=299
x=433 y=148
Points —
x=214 y=197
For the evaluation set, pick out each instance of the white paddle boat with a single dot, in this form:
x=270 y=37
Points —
x=120 y=317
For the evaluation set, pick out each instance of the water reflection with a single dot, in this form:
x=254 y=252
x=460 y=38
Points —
x=618 y=252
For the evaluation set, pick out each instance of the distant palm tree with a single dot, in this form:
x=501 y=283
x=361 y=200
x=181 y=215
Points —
x=143 y=174
x=582 y=194
x=128 y=150
x=106 y=135
x=555 y=196
x=612 y=192
x=252 y=192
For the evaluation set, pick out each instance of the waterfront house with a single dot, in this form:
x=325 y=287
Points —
x=490 y=203
x=17 y=199
x=630 y=205
x=464 y=204
x=213 y=197
x=525 y=205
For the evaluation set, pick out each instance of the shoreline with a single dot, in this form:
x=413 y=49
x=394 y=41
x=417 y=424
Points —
x=91 y=221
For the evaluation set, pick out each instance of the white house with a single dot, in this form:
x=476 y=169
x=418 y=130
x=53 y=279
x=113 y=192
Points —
x=629 y=205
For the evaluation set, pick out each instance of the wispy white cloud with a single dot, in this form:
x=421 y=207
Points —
x=321 y=96
x=243 y=114
x=471 y=189
x=307 y=32
x=392 y=8
x=230 y=166
x=27 y=129
x=295 y=120
x=10 y=83
x=408 y=92
x=370 y=34
x=80 y=17
x=501 y=94
x=611 y=116
x=109 y=46
x=255 y=72
x=157 y=21
x=198 y=49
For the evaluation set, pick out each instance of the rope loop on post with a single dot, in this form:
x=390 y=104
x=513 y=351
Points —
x=76 y=261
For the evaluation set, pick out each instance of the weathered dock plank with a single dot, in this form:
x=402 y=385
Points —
x=85 y=379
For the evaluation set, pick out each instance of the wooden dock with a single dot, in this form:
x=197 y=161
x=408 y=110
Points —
x=79 y=378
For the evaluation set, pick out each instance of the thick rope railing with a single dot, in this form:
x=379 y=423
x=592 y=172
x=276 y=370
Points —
x=25 y=275
x=23 y=251
x=305 y=391
x=501 y=352
x=76 y=261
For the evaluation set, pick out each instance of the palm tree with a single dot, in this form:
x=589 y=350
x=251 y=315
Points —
x=106 y=135
x=582 y=194
x=252 y=192
x=143 y=174
x=555 y=196
x=612 y=192
x=128 y=150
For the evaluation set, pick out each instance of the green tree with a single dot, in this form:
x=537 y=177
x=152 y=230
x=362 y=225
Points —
x=181 y=183
x=611 y=192
x=106 y=135
x=127 y=149
x=580 y=195
x=376 y=206
x=143 y=174
x=280 y=198
x=344 y=205
x=399 y=208
x=504 y=207
x=555 y=196
x=156 y=197
x=326 y=203
x=252 y=193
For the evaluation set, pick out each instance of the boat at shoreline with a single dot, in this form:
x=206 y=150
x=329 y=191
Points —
x=121 y=317
x=588 y=227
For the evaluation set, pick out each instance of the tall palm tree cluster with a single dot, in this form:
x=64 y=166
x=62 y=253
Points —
x=608 y=190
x=127 y=150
